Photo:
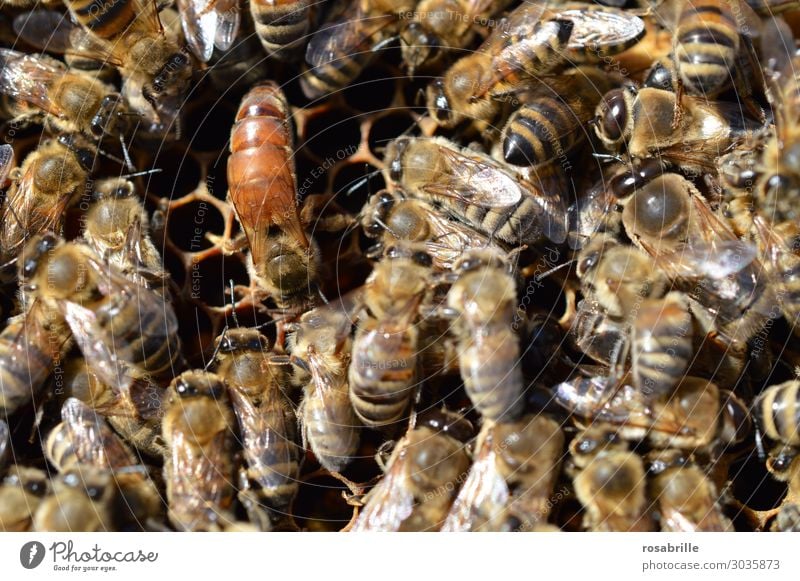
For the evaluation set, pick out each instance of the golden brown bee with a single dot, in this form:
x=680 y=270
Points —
x=612 y=488
x=479 y=191
x=696 y=415
x=117 y=229
x=266 y=423
x=687 y=500
x=512 y=477
x=282 y=25
x=707 y=41
x=262 y=187
x=383 y=370
x=422 y=477
x=70 y=102
x=439 y=26
x=209 y=24
x=533 y=41
x=484 y=301
x=553 y=117
x=48 y=180
x=135 y=412
x=21 y=493
x=125 y=331
x=641 y=123
x=84 y=501
x=84 y=437
x=198 y=431
x=321 y=348
x=347 y=42
x=31 y=346
x=777 y=410
x=129 y=35
x=391 y=216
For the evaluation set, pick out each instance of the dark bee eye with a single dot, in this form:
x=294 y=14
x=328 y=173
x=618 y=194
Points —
x=385 y=202
x=422 y=258
x=216 y=389
x=94 y=492
x=613 y=115
x=779 y=184
x=588 y=263
x=85 y=158
x=392 y=252
x=185 y=389
x=439 y=105
x=35 y=488
x=659 y=77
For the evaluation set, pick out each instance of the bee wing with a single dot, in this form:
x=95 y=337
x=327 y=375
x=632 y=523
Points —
x=7 y=162
x=93 y=440
x=5 y=442
x=29 y=78
x=348 y=35
x=90 y=336
x=390 y=502
x=484 y=488
x=601 y=29
x=199 y=23
x=22 y=217
x=228 y=21
x=475 y=181
x=715 y=260
x=196 y=480
x=46 y=30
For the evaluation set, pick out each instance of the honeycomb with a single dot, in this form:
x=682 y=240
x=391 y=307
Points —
x=339 y=149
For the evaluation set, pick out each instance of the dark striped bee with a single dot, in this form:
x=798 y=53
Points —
x=282 y=25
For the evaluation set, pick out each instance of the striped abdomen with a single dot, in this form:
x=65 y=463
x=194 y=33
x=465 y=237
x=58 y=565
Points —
x=143 y=331
x=706 y=46
x=778 y=411
x=533 y=55
x=488 y=360
x=104 y=18
x=382 y=372
x=24 y=364
x=662 y=346
x=281 y=25
x=330 y=425
x=519 y=224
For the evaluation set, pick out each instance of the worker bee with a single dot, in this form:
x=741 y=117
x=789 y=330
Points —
x=265 y=421
x=383 y=368
x=422 y=477
x=31 y=347
x=282 y=25
x=552 y=119
x=21 y=492
x=70 y=102
x=688 y=500
x=84 y=437
x=440 y=26
x=132 y=38
x=135 y=413
x=533 y=41
x=777 y=410
x=512 y=477
x=321 y=348
x=208 y=24
x=124 y=330
x=669 y=218
x=612 y=489
x=484 y=302
x=49 y=179
x=346 y=43
x=117 y=229
x=697 y=415
x=708 y=40
x=198 y=431
x=391 y=215
x=479 y=191
x=263 y=189
x=641 y=123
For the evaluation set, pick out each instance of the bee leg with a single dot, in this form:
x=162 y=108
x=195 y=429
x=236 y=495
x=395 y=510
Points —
x=677 y=111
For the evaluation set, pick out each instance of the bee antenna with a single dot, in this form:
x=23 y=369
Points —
x=141 y=173
x=322 y=295
x=759 y=437
x=384 y=43
x=547 y=273
x=367 y=179
x=126 y=154
x=233 y=304
x=386 y=227
x=216 y=349
x=113 y=158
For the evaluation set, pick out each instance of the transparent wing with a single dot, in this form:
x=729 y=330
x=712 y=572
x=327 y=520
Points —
x=29 y=78
x=484 y=490
x=7 y=162
x=390 y=502
x=199 y=23
x=228 y=22
x=714 y=260
x=93 y=440
x=46 y=30
x=351 y=34
x=601 y=28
